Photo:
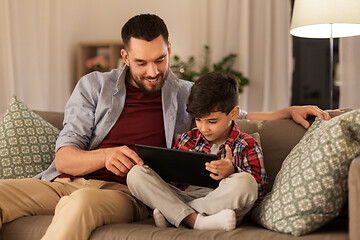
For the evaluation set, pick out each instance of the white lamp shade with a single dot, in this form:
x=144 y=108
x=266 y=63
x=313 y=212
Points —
x=325 y=18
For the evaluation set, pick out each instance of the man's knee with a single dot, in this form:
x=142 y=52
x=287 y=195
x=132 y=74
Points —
x=85 y=200
x=81 y=199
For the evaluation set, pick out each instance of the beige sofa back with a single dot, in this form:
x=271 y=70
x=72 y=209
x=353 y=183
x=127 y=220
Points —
x=55 y=118
x=277 y=137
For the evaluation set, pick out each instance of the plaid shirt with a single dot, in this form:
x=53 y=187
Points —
x=247 y=155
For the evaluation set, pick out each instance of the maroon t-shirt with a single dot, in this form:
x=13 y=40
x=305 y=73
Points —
x=141 y=122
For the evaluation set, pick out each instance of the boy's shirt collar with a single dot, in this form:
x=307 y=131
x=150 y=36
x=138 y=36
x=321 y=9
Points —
x=206 y=146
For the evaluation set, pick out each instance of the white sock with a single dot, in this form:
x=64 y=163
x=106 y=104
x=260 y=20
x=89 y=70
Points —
x=160 y=220
x=223 y=220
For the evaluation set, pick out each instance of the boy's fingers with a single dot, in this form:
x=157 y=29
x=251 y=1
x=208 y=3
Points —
x=228 y=152
x=211 y=167
x=215 y=177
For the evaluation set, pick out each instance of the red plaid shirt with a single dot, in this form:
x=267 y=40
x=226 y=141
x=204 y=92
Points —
x=247 y=155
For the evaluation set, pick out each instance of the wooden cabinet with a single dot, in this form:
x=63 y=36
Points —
x=99 y=55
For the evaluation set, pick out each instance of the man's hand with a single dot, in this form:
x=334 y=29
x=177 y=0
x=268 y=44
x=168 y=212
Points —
x=297 y=113
x=120 y=160
x=221 y=168
x=300 y=113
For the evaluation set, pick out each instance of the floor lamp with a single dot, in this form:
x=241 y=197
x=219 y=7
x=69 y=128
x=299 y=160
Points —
x=326 y=19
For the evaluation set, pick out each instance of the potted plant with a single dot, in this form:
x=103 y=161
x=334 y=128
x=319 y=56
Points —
x=188 y=70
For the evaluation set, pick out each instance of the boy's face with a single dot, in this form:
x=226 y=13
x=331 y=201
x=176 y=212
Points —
x=216 y=126
x=148 y=62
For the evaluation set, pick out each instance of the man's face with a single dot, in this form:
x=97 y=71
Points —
x=148 y=63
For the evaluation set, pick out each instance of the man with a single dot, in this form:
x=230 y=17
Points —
x=105 y=116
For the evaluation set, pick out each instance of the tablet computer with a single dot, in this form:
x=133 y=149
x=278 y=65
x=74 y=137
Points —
x=186 y=167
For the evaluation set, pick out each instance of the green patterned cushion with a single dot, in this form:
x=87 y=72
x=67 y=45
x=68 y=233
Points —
x=311 y=186
x=27 y=142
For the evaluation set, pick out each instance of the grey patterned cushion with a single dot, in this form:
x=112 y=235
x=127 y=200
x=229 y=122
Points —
x=27 y=142
x=311 y=186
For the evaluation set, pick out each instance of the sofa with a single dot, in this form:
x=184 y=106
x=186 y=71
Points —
x=277 y=138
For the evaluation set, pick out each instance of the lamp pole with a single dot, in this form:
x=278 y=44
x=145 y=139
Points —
x=331 y=67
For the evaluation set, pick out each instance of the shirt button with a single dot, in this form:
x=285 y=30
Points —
x=172 y=118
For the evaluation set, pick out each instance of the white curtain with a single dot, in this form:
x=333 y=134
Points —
x=7 y=78
x=349 y=71
x=258 y=32
x=38 y=43
x=34 y=59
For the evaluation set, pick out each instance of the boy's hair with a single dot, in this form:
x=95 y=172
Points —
x=213 y=92
x=144 y=26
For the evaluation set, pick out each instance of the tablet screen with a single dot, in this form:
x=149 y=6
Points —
x=186 y=167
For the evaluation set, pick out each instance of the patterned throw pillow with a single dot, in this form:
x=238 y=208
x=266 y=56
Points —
x=311 y=186
x=27 y=142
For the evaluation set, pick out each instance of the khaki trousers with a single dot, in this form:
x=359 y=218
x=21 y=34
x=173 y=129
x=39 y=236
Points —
x=238 y=192
x=78 y=205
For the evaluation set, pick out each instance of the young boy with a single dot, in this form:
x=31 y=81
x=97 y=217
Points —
x=213 y=103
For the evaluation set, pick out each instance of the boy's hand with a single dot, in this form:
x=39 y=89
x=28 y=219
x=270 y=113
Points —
x=221 y=168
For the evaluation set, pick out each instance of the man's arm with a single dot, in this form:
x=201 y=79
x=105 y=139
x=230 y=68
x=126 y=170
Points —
x=72 y=156
x=297 y=113
x=77 y=162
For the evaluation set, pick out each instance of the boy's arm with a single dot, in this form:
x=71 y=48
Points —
x=250 y=160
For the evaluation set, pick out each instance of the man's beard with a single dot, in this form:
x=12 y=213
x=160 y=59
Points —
x=141 y=85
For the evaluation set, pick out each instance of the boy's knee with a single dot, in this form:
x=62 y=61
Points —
x=136 y=174
x=247 y=185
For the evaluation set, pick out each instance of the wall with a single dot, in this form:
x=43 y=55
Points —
x=39 y=39
x=45 y=34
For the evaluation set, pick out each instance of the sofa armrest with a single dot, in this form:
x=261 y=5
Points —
x=354 y=199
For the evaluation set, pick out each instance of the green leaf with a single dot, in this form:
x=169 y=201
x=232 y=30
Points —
x=187 y=69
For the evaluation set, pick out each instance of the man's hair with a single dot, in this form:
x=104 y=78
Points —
x=145 y=27
x=213 y=92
